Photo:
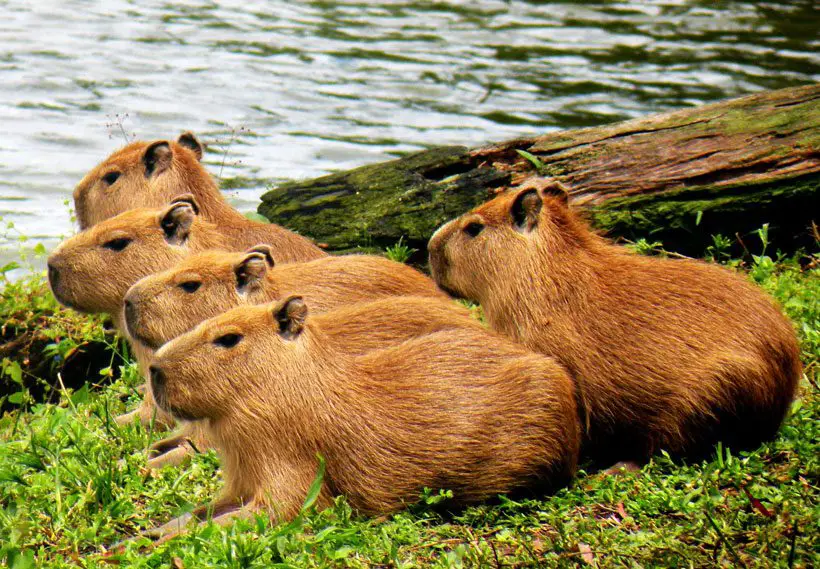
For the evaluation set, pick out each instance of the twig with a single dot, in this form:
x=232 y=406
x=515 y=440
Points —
x=742 y=244
x=225 y=153
x=792 y=547
x=495 y=554
x=724 y=540
x=65 y=392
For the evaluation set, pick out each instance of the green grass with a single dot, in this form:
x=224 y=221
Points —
x=73 y=483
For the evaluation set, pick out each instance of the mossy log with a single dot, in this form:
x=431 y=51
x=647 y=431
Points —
x=679 y=177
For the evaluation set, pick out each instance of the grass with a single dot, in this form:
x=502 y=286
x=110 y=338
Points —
x=72 y=483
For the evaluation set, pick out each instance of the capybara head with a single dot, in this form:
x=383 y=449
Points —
x=93 y=270
x=164 y=305
x=142 y=174
x=503 y=236
x=216 y=367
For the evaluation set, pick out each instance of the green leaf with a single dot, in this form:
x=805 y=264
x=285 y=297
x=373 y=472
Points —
x=81 y=395
x=17 y=398
x=342 y=552
x=9 y=267
x=532 y=159
x=316 y=486
x=15 y=372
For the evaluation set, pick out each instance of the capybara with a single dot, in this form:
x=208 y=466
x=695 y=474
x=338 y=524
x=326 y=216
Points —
x=667 y=354
x=459 y=408
x=93 y=270
x=151 y=174
x=164 y=305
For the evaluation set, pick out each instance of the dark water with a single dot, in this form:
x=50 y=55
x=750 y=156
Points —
x=304 y=88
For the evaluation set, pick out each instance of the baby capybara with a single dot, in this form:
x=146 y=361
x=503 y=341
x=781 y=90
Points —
x=151 y=174
x=462 y=409
x=164 y=305
x=667 y=354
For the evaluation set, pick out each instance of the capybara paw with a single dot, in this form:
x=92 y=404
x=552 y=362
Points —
x=173 y=457
x=145 y=418
x=128 y=418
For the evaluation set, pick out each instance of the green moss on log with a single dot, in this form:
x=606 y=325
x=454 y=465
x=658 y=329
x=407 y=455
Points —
x=685 y=220
x=732 y=166
x=373 y=206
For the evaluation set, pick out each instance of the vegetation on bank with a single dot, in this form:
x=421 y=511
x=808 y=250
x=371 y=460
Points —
x=72 y=482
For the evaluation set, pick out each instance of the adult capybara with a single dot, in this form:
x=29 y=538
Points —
x=667 y=354
x=164 y=305
x=93 y=270
x=462 y=408
x=151 y=174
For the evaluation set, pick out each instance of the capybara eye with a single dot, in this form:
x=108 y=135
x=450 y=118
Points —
x=473 y=229
x=190 y=286
x=228 y=340
x=111 y=177
x=117 y=244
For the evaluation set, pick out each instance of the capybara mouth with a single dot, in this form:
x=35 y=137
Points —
x=55 y=290
x=133 y=331
x=158 y=383
x=451 y=291
x=145 y=341
x=133 y=328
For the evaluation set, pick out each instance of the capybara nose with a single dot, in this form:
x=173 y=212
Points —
x=53 y=274
x=157 y=378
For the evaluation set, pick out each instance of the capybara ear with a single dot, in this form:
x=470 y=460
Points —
x=189 y=199
x=191 y=142
x=265 y=250
x=552 y=187
x=177 y=220
x=157 y=158
x=250 y=272
x=290 y=315
x=526 y=209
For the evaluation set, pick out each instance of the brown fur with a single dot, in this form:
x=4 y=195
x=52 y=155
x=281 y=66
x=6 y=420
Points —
x=158 y=308
x=151 y=174
x=435 y=401
x=668 y=354
x=87 y=273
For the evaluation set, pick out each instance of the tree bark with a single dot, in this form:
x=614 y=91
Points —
x=679 y=177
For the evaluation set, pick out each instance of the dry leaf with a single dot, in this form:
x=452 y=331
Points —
x=586 y=553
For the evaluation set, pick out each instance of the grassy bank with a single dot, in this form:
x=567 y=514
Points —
x=72 y=482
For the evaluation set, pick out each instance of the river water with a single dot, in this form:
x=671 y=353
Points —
x=283 y=90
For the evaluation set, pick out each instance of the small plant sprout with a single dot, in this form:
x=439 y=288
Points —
x=532 y=159
x=117 y=124
x=718 y=251
x=400 y=252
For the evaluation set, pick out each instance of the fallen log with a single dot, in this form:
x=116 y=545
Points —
x=680 y=177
